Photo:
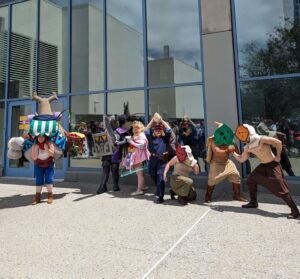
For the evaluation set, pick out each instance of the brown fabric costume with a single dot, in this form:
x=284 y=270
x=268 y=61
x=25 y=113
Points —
x=219 y=171
x=270 y=176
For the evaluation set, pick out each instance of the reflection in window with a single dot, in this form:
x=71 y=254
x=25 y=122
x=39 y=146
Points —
x=86 y=118
x=53 y=47
x=134 y=100
x=87 y=45
x=125 y=43
x=268 y=35
x=2 y=130
x=3 y=49
x=183 y=108
x=173 y=41
x=273 y=108
x=23 y=51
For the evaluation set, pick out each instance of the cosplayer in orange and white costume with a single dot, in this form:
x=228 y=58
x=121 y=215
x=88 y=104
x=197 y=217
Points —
x=269 y=172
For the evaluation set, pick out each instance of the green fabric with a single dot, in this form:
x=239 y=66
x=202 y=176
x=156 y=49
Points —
x=223 y=135
x=43 y=128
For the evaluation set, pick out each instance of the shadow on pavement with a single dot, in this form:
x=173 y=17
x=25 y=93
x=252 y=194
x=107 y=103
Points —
x=256 y=211
x=24 y=200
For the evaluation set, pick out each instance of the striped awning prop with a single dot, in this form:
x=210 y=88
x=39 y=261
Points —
x=43 y=128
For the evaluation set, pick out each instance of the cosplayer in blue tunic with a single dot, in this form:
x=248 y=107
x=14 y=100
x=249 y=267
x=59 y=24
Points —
x=158 y=133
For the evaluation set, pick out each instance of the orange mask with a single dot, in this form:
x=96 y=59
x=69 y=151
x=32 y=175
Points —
x=242 y=133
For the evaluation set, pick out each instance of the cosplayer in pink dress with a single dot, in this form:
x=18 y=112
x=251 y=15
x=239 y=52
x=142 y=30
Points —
x=137 y=155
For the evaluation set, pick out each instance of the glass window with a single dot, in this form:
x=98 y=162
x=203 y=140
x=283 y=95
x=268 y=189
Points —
x=23 y=50
x=2 y=130
x=268 y=36
x=183 y=108
x=273 y=108
x=125 y=43
x=87 y=45
x=86 y=118
x=134 y=100
x=53 y=47
x=3 y=49
x=173 y=41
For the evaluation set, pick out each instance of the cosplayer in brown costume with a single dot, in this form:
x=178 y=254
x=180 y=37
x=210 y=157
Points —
x=181 y=184
x=269 y=173
x=221 y=168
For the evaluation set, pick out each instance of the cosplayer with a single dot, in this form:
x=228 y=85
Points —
x=158 y=133
x=188 y=134
x=112 y=162
x=262 y=129
x=42 y=154
x=181 y=184
x=220 y=145
x=269 y=173
x=137 y=155
x=45 y=142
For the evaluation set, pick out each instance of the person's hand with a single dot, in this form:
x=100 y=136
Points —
x=165 y=178
x=230 y=149
x=129 y=139
x=277 y=159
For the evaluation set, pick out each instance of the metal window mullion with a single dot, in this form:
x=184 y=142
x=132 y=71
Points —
x=202 y=68
x=237 y=74
x=6 y=118
x=69 y=49
x=37 y=46
x=145 y=58
x=105 y=56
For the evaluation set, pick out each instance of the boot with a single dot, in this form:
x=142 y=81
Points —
x=295 y=211
x=182 y=200
x=101 y=189
x=237 y=193
x=37 y=198
x=209 y=192
x=172 y=194
x=50 y=198
x=253 y=200
x=104 y=178
x=115 y=175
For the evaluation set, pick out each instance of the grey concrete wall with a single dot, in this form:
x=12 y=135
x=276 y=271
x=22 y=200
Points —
x=216 y=16
x=218 y=57
x=220 y=88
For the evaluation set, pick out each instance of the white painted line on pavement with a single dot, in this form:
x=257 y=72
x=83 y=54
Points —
x=175 y=244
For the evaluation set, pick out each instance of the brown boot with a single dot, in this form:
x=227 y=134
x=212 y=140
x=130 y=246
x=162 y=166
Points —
x=172 y=194
x=209 y=192
x=50 y=198
x=182 y=200
x=37 y=198
x=294 y=209
x=237 y=193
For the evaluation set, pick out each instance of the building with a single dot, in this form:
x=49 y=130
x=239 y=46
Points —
x=231 y=61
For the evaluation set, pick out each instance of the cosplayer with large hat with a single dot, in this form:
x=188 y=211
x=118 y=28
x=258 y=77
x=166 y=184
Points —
x=269 y=172
x=219 y=146
x=44 y=143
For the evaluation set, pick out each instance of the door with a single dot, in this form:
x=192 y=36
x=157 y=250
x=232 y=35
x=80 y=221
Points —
x=17 y=125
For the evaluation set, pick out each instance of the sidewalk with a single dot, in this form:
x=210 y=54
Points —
x=114 y=235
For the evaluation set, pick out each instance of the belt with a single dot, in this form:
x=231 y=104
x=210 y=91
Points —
x=158 y=155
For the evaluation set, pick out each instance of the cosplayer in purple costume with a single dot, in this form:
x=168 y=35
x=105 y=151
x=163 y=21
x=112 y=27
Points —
x=112 y=162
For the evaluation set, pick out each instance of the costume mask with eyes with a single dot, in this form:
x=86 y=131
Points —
x=223 y=135
x=181 y=153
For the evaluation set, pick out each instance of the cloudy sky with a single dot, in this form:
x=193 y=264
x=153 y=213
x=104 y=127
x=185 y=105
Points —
x=256 y=19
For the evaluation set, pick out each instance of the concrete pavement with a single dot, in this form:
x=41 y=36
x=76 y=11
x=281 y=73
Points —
x=114 y=235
